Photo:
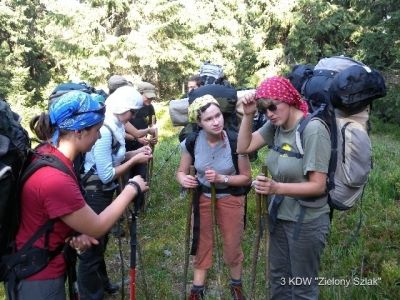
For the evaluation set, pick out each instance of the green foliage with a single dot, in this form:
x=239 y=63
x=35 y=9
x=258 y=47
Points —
x=388 y=108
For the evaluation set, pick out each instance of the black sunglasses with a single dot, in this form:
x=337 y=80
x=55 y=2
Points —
x=101 y=110
x=272 y=108
x=133 y=111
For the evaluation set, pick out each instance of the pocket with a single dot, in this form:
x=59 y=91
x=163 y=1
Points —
x=30 y=262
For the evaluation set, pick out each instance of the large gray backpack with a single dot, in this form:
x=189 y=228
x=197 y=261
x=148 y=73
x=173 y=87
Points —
x=351 y=160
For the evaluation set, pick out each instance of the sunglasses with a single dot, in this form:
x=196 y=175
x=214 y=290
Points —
x=101 y=111
x=272 y=107
x=133 y=111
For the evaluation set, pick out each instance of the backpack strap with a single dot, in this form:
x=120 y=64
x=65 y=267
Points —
x=115 y=145
x=232 y=138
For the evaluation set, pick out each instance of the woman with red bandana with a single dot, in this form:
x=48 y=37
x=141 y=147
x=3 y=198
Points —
x=298 y=207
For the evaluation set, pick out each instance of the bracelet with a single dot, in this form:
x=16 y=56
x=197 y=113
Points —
x=138 y=189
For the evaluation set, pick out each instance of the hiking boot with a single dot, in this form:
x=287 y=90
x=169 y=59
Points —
x=111 y=288
x=237 y=292
x=196 y=295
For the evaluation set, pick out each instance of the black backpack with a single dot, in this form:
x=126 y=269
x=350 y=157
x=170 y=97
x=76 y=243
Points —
x=227 y=99
x=347 y=84
x=15 y=147
x=15 y=168
x=64 y=88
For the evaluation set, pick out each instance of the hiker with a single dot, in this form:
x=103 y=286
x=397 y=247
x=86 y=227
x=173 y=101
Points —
x=193 y=83
x=214 y=164
x=141 y=122
x=72 y=125
x=297 y=234
x=115 y=82
x=104 y=164
x=132 y=133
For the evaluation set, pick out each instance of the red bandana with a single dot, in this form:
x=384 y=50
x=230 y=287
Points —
x=279 y=88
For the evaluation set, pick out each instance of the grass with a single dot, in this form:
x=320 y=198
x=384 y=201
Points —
x=372 y=255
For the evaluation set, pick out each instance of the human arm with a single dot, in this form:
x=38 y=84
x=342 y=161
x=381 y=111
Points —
x=145 y=149
x=315 y=186
x=86 y=221
x=82 y=242
x=185 y=180
x=139 y=158
x=248 y=141
x=138 y=133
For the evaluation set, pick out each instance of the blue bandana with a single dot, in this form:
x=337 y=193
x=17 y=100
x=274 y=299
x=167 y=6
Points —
x=74 y=110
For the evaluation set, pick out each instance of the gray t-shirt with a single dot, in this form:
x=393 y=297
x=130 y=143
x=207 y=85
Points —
x=218 y=157
x=317 y=150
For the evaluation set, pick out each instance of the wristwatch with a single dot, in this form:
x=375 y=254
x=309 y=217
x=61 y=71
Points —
x=226 y=179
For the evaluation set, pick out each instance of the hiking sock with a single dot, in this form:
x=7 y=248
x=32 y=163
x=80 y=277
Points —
x=236 y=282
x=198 y=288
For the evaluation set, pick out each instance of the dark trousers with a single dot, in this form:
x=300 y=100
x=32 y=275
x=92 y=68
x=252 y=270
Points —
x=294 y=262
x=92 y=273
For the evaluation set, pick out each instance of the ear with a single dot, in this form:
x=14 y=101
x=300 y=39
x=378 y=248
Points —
x=78 y=133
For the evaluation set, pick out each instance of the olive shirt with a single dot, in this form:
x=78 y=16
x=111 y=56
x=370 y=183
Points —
x=317 y=150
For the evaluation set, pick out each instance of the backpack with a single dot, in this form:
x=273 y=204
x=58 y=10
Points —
x=64 y=88
x=211 y=74
x=227 y=99
x=17 y=265
x=351 y=155
x=15 y=168
x=14 y=149
x=345 y=83
x=344 y=109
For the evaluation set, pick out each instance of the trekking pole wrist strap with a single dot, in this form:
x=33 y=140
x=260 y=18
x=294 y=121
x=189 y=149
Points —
x=138 y=189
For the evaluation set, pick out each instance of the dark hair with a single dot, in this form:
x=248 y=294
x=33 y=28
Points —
x=41 y=126
x=197 y=79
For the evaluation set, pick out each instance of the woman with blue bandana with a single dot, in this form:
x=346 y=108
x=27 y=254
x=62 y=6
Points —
x=104 y=164
x=72 y=125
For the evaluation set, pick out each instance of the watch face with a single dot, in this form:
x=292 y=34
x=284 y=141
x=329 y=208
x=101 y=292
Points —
x=226 y=179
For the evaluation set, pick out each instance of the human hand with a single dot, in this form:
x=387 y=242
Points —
x=153 y=130
x=212 y=176
x=189 y=182
x=141 y=158
x=144 y=149
x=143 y=140
x=141 y=182
x=265 y=186
x=153 y=140
x=249 y=103
x=82 y=242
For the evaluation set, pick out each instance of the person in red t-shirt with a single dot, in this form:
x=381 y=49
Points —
x=73 y=124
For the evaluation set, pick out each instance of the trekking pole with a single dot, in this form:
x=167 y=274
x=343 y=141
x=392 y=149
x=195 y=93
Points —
x=256 y=246
x=143 y=274
x=215 y=235
x=121 y=185
x=187 y=235
x=149 y=169
x=264 y=204
x=256 y=243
